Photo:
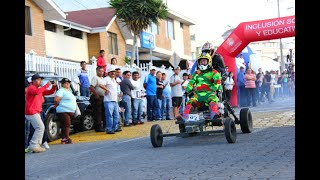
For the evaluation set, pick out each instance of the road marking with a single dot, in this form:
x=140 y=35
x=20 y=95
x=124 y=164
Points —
x=108 y=145
x=260 y=129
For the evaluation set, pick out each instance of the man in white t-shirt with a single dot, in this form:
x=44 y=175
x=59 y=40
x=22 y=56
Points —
x=137 y=95
x=176 y=91
x=111 y=102
x=96 y=99
x=240 y=62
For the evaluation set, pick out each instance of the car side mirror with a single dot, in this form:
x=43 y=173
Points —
x=75 y=93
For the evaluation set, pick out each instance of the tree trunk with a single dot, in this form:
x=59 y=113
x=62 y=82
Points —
x=133 y=50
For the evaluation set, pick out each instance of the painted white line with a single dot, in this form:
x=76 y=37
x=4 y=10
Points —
x=108 y=145
x=260 y=129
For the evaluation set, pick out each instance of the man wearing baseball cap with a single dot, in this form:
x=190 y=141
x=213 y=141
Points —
x=33 y=108
x=150 y=84
x=111 y=102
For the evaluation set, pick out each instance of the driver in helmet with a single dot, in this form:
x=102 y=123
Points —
x=206 y=81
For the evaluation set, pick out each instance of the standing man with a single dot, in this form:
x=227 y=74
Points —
x=137 y=99
x=102 y=62
x=111 y=103
x=33 y=108
x=96 y=99
x=240 y=62
x=118 y=80
x=259 y=80
x=160 y=87
x=150 y=84
x=184 y=84
x=81 y=77
x=166 y=101
x=126 y=88
x=176 y=91
x=241 y=85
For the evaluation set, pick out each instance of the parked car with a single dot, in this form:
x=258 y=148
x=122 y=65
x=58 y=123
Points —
x=83 y=122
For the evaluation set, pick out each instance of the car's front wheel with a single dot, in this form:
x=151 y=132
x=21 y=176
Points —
x=52 y=127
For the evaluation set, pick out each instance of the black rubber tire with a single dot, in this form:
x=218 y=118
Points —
x=246 y=120
x=230 y=130
x=182 y=128
x=52 y=127
x=86 y=121
x=156 y=136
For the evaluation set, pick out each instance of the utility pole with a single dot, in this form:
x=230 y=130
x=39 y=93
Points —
x=282 y=67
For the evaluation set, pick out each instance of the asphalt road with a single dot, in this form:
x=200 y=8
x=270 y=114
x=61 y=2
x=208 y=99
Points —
x=267 y=153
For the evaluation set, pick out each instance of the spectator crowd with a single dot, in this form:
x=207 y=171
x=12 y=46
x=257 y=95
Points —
x=255 y=88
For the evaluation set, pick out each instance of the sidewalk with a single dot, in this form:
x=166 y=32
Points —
x=260 y=120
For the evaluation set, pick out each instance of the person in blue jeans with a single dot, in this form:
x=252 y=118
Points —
x=126 y=88
x=150 y=84
x=81 y=77
x=166 y=100
x=111 y=102
x=137 y=95
x=120 y=103
x=241 y=85
x=184 y=84
x=160 y=87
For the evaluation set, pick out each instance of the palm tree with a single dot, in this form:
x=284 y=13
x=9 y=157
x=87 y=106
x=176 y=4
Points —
x=138 y=15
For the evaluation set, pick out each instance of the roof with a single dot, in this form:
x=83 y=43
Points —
x=93 y=18
x=50 y=10
x=179 y=17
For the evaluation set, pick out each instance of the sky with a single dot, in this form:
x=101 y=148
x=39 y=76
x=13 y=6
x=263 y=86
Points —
x=212 y=17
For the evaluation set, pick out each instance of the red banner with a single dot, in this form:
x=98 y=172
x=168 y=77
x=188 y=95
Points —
x=247 y=32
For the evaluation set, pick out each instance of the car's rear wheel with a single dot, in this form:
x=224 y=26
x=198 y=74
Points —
x=246 y=120
x=52 y=127
x=86 y=121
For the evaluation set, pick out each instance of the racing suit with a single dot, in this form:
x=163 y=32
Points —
x=205 y=83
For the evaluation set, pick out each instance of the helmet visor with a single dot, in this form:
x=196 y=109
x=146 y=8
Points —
x=205 y=52
x=203 y=61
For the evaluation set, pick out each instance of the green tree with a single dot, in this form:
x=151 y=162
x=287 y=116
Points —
x=138 y=15
x=127 y=60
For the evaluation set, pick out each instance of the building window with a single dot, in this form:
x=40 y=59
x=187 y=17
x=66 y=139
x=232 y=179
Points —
x=154 y=28
x=181 y=25
x=112 y=43
x=170 y=29
x=73 y=33
x=27 y=21
x=50 y=26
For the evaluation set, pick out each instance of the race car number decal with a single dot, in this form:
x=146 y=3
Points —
x=193 y=117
